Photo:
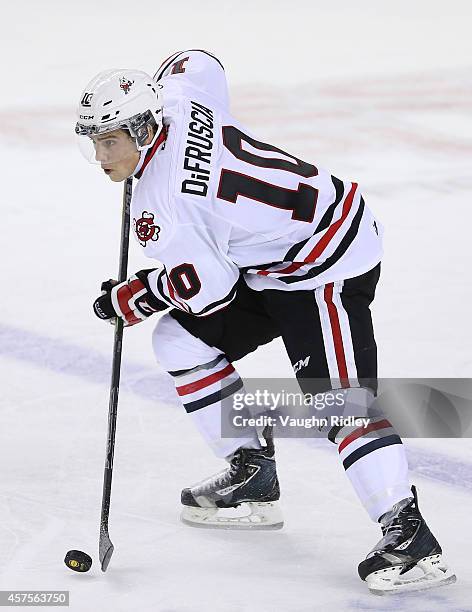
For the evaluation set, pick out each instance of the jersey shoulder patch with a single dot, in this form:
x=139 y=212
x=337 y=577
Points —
x=175 y=63
x=194 y=72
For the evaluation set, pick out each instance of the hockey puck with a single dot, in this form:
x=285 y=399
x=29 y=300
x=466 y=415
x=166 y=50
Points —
x=78 y=561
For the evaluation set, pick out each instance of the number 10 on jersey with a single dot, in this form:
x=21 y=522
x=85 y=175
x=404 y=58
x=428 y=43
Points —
x=301 y=201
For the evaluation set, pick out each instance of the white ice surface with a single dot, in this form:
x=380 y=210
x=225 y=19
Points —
x=377 y=92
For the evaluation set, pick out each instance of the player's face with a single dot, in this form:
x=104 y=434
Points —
x=117 y=154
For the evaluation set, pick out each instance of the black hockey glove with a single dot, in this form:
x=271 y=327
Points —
x=131 y=300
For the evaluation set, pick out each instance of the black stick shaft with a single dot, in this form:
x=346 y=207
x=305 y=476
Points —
x=105 y=545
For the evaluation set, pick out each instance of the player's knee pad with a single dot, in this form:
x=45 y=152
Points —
x=176 y=349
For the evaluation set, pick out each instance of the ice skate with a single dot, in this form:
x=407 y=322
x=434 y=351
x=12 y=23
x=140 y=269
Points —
x=408 y=557
x=243 y=496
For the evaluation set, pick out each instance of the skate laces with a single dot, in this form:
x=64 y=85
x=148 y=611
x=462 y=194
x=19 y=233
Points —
x=392 y=524
x=221 y=478
x=225 y=477
x=391 y=534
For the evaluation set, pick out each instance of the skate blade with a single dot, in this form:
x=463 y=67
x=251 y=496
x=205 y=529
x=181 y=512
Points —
x=388 y=581
x=249 y=515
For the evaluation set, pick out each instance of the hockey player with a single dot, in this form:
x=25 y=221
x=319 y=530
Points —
x=253 y=243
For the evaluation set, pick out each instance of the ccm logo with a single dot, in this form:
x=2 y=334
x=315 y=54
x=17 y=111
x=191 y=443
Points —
x=301 y=364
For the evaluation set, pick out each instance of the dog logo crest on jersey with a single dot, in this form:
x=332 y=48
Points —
x=125 y=84
x=146 y=229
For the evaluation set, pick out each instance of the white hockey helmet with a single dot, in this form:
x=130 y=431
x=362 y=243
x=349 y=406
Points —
x=120 y=99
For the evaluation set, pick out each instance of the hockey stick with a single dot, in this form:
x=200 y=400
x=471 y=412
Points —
x=105 y=546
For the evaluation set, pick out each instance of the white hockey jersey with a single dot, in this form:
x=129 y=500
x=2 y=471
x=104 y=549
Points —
x=213 y=202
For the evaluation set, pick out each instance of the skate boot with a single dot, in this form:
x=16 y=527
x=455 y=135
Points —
x=243 y=496
x=407 y=544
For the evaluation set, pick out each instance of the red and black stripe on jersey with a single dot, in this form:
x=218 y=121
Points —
x=325 y=220
x=344 y=244
x=286 y=274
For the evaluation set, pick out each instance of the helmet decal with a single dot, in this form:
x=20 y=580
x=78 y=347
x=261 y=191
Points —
x=125 y=84
x=87 y=99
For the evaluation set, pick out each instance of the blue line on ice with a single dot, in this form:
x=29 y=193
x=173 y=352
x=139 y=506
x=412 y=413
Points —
x=441 y=467
x=64 y=357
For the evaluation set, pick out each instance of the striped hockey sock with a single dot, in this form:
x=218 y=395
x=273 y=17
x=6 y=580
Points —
x=375 y=462
x=202 y=390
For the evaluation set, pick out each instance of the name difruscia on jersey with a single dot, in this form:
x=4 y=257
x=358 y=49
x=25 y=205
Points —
x=200 y=144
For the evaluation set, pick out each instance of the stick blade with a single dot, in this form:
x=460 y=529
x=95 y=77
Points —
x=105 y=549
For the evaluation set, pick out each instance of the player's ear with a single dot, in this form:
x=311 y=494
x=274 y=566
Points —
x=150 y=136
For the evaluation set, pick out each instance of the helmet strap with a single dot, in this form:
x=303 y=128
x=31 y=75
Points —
x=142 y=156
x=150 y=150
